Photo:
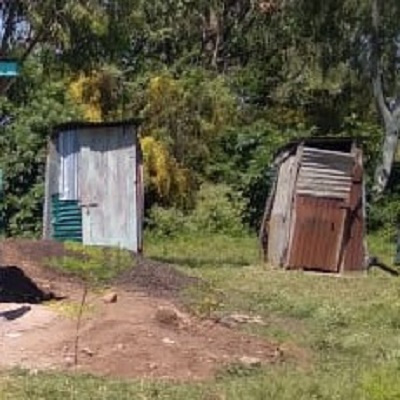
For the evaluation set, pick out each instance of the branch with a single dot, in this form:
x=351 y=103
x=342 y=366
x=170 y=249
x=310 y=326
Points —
x=380 y=98
x=377 y=81
x=9 y=26
x=33 y=43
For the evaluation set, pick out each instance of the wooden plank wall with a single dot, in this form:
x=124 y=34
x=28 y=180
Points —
x=280 y=219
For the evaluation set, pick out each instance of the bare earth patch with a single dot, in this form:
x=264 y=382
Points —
x=139 y=335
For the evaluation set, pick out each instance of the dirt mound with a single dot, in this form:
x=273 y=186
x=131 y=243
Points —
x=155 y=278
x=31 y=258
x=141 y=334
x=128 y=339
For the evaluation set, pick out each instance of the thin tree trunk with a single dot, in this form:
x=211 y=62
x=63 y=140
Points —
x=78 y=324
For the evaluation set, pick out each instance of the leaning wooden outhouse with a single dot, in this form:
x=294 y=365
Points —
x=94 y=185
x=315 y=214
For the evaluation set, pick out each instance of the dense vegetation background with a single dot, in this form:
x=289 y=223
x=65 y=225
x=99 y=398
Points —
x=219 y=86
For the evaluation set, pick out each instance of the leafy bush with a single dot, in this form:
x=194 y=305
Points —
x=218 y=210
x=23 y=149
x=166 y=221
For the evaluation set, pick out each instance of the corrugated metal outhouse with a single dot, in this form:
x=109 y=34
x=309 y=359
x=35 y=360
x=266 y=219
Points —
x=315 y=214
x=94 y=185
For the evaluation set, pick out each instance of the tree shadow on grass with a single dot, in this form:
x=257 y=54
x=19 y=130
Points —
x=204 y=262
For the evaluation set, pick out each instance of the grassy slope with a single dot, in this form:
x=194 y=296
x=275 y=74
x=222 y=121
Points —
x=348 y=329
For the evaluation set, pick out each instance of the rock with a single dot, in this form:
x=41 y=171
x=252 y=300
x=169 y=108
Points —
x=252 y=362
x=13 y=335
x=34 y=372
x=235 y=319
x=69 y=361
x=153 y=366
x=227 y=322
x=88 y=351
x=110 y=298
x=171 y=316
x=243 y=319
x=168 y=341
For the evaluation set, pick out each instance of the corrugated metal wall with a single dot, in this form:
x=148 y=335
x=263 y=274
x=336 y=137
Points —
x=67 y=219
x=280 y=218
x=68 y=149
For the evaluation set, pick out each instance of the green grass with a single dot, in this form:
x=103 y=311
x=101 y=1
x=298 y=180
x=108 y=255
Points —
x=96 y=265
x=205 y=252
x=382 y=244
x=347 y=330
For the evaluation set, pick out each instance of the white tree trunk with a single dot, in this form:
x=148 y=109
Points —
x=390 y=115
x=391 y=124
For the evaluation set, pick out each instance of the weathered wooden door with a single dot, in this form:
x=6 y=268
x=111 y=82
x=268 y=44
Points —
x=108 y=187
x=318 y=234
x=321 y=204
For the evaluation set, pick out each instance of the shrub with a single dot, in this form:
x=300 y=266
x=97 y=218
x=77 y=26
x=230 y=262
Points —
x=166 y=221
x=218 y=210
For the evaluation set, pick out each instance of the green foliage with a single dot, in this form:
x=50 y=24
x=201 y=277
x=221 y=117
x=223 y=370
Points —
x=221 y=85
x=166 y=222
x=188 y=114
x=94 y=265
x=218 y=210
x=382 y=384
x=245 y=159
x=23 y=146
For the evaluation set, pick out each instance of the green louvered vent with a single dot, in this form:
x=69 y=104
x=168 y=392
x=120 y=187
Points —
x=66 y=219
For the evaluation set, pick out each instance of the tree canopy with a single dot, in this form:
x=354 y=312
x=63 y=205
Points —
x=219 y=85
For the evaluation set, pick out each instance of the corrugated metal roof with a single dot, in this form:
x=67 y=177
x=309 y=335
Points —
x=331 y=142
x=325 y=173
x=83 y=125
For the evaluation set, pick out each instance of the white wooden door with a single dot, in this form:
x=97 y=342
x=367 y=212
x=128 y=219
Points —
x=108 y=187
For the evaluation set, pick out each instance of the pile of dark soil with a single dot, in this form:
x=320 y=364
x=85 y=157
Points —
x=30 y=279
x=156 y=278
x=32 y=257
x=16 y=287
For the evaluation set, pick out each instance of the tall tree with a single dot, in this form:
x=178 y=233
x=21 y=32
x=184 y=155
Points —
x=386 y=45
x=29 y=24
